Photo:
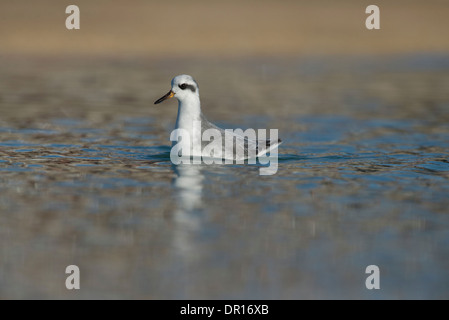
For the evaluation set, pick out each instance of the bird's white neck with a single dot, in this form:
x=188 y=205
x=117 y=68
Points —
x=189 y=110
x=188 y=122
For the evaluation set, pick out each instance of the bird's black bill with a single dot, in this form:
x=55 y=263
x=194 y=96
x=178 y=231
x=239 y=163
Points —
x=169 y=95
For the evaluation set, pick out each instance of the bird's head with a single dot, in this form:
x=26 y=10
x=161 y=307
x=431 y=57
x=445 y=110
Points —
x=183 y=87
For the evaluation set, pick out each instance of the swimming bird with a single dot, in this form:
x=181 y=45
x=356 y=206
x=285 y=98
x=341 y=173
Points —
x=190 y=119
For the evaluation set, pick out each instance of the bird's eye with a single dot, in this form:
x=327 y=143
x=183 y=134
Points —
x=184 y=86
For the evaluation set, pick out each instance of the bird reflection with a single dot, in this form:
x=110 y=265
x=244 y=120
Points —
x=188 y=187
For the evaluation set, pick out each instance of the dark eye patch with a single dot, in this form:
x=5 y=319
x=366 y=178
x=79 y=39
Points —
x=184 y=86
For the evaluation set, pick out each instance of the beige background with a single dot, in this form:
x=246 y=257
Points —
x=223 y=28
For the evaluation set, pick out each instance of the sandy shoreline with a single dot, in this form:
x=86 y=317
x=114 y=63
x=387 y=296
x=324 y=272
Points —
x=198 y=28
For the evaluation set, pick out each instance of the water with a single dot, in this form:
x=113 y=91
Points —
x=86 y=179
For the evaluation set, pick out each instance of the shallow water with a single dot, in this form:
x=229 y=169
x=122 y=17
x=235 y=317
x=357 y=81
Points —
x=86 y=179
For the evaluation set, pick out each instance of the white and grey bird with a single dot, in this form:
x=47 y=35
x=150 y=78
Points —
x=186 y=90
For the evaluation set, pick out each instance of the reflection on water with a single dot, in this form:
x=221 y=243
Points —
x=188 y=184
x=363 y=179
x=188 y=187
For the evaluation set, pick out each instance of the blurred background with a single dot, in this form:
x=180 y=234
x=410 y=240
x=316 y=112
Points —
x=225 y=29
x=86 y=178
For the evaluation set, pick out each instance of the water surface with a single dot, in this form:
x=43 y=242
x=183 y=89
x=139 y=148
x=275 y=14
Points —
x=86 y=179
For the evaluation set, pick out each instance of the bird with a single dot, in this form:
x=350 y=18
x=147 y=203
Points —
x=191 y=119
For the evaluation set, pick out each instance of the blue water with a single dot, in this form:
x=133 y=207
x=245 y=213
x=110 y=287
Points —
x=363 y=182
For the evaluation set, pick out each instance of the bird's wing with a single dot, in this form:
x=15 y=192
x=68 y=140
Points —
x=242 y=147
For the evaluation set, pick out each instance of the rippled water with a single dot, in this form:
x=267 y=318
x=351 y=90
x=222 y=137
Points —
x=86 y=179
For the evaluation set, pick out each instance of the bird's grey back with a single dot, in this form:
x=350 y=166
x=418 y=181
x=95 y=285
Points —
x=241 y=144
